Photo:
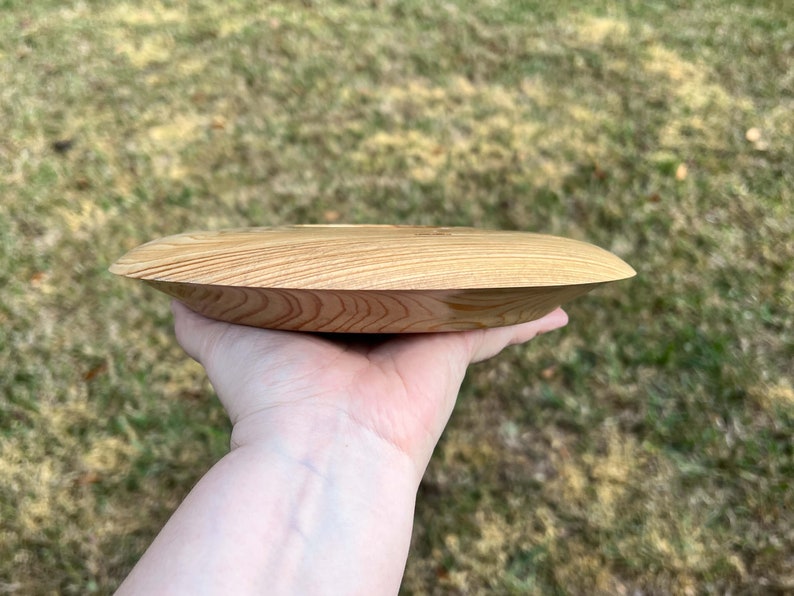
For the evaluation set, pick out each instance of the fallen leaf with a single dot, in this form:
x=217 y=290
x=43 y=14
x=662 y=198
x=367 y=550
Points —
x=96 y=371
x=88 y=478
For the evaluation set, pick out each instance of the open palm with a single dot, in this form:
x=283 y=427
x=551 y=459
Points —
x=400 y=388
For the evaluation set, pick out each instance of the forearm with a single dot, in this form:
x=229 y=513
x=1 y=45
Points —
x=281 y=517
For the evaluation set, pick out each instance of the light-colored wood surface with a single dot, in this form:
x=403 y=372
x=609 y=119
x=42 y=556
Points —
x=371 y=279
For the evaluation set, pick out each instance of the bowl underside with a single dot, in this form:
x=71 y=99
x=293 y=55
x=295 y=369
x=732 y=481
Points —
x=371 y=311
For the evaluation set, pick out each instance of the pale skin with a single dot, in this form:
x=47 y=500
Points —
x=330 y=441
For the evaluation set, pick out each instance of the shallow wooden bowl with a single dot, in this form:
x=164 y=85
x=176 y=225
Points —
x=371 y=279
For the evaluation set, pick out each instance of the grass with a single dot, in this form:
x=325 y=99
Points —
x=647 y=447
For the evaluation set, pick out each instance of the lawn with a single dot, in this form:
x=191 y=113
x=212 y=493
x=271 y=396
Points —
x=646 y=448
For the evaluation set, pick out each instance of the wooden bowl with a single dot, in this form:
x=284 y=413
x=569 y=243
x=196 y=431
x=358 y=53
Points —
x=371 y=279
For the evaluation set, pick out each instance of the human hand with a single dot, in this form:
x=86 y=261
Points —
x=401 y=389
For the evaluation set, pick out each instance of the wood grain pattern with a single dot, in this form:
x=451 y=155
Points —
x=371 y=279
x=351 y=311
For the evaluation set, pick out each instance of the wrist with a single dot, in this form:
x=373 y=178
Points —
x=326 y=434
x=346 y=493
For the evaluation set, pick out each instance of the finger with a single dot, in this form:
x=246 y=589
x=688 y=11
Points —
x=212 y=342
x=465 y=347
x=489 y=342
x=232 y=354
x=194 y=332
x=441 y=359
x=216 y=344
x=236 y=358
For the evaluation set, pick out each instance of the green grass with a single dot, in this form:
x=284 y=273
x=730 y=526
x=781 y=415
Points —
x=648 y=446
